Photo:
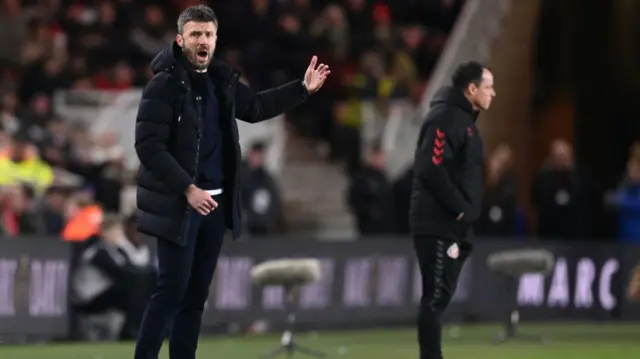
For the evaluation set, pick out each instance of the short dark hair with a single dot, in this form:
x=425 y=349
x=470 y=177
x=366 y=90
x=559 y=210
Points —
x=258 y=146
x=199 y=13
x=468 y=73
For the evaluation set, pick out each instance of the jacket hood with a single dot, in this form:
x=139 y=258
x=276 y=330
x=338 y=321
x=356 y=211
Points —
x=166 y=59
x=453 y=96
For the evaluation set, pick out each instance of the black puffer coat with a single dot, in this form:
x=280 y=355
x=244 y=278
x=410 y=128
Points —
x=169 y=131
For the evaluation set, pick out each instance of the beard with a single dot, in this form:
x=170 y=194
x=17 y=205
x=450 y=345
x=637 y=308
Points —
x=198 y=58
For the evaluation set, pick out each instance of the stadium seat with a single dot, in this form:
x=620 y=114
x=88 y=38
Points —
x=291 y=274
x=512 y=264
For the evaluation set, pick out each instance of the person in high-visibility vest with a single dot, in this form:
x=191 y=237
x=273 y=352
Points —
x=20 y=163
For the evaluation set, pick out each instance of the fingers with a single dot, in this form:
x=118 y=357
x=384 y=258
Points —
x=322 y=69
x=314 y=61
x=211 y=203
x=206 y=205
x=202 y=210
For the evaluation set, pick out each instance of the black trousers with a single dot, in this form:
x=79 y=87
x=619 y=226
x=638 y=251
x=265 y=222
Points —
x=182 y=288
x=440 y=262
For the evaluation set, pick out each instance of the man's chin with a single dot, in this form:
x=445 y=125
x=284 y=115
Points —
x=200 y=64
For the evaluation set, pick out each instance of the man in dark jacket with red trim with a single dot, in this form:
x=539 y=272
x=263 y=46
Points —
x=447 y=193
x=188 y=194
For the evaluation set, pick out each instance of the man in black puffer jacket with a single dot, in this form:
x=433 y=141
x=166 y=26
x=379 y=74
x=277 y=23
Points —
x=447 y=193
x=188 y=185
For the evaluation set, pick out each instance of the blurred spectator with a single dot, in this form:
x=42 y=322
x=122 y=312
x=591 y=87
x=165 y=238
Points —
x=19 y=214
x=634 y=152
x=30 y=220
x=361 y=25
x=117 y=78
x=627 y=201
x=262 y=204
x=292 y=49
x=103 y=170
x=20 y=163
x=421 y=48
x=9 y=113
x=83 y=218
x=556 y=195
x=38 y=45
x=54 y=144
x=38 y=115
x=498 y=217
x=376 y=52
x=114 y=274
x=13 y=25
x=152 y=35
x=331 y=31
x=347 y=138
x=371 y=198
x=634 y=284
x=52 y=208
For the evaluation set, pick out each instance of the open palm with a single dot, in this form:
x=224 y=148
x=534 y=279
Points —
x=315 y=76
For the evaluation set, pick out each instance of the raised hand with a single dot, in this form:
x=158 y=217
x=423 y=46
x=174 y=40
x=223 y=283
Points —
x=315 y=76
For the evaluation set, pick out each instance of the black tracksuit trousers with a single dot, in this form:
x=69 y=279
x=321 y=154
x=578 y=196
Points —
x=440 y=262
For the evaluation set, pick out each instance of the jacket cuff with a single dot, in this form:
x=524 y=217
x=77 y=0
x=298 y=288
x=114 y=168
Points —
x=303 y=89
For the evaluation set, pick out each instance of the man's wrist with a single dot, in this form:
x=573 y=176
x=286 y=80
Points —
x=189 y=189
x=304 y=85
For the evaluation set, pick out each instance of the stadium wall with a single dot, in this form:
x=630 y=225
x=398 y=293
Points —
x=365 y=283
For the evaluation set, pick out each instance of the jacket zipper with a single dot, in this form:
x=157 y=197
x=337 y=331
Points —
x=185 y=219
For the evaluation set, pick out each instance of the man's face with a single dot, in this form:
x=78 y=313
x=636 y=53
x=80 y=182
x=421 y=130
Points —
x=378 y=160
x=482 y=95
x=9 y=102
x=41 y=104
x=113 y=234
x=255 y=158
x=56 y=201
x=561 y=154
x=198 y=41
x=20 y=150
x=634 y=172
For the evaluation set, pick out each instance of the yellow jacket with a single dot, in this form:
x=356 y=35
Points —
x=32 y=170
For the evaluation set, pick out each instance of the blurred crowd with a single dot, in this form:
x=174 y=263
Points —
x=53 y=170
x=57 y=176
x=564 y=201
